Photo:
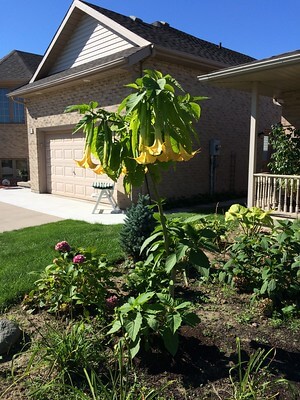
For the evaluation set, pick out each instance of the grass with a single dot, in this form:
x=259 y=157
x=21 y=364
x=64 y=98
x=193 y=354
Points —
x=29 y=250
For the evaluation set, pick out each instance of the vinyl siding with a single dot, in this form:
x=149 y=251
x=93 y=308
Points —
x=90 y=41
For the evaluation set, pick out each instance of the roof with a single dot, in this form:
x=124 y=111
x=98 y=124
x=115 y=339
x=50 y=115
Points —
x=118 y=59
x=276 y=77
x=162 y=34
x=18 y=66
x=156 y=38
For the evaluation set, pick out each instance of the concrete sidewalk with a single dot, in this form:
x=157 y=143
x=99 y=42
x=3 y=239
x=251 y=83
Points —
x=48 y=208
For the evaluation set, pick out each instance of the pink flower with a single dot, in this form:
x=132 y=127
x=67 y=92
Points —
x=79 y=259
x=112 y=301
x=63 y=247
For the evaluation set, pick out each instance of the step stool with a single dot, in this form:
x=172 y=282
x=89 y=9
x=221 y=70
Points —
x=105 y=191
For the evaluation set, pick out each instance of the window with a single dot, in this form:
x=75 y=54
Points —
x=11 y=112
x=13 y=169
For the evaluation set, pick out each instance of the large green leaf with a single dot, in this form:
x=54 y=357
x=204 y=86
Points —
x=170 y=262
x=174 y=322
x=133 y=327
x=115 y=327
x=135 y=347
x=170 y=341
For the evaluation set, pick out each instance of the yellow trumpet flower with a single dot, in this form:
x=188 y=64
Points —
x=98 y=170
x=145 y=158
x=184 y=155
x=168 y=154
x=86 y=162
x=156 y=148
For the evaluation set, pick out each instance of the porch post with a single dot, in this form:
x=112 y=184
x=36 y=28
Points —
x=252 y=144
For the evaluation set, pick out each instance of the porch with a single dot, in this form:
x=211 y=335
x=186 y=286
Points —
x=276 y=77
x=279 y=193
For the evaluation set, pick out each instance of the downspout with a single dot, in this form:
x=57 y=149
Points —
x=252 y=145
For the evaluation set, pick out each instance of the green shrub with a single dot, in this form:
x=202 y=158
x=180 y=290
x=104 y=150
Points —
x=77 y=280
x=267 y=264
x=138 y=225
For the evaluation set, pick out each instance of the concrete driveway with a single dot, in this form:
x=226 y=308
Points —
x=19 y=208
x=13 y=217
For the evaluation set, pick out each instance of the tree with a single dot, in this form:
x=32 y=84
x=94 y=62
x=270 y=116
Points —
x=152 y=129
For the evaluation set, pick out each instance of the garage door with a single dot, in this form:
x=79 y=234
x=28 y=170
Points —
x=63 y=176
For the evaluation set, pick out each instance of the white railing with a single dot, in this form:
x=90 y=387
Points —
x=280 y=193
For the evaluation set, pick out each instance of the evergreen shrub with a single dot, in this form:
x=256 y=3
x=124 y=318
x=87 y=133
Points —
x=138 y=226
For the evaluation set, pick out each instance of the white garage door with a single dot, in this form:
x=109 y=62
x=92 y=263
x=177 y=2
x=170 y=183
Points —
x=63 y=176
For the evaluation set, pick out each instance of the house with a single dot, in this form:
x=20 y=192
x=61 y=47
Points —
x=16 y=69
x=93 y=54
x=278 y=78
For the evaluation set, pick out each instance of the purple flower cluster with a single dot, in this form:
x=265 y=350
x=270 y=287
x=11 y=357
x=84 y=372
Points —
x=111 y=302
x=78 y=259
x=63 y=247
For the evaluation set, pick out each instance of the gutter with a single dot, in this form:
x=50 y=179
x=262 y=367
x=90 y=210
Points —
x=119 y=62
x=256 y=66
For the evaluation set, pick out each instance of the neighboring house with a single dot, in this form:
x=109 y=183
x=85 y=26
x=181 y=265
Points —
x=94 y=53
x=16 y=69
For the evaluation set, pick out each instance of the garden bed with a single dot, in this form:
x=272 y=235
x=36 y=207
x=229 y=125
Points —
x=200 y=369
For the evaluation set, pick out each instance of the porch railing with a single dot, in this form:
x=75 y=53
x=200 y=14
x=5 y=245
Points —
x=280 y=193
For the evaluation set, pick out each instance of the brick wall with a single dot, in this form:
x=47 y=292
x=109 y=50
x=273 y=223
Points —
x=13 y=141
x=225 y=116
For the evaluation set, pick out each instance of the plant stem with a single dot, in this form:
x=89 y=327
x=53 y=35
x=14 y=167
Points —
x=163 y=221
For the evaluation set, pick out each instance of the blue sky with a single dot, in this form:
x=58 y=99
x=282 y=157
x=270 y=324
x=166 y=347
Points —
x=259 y=28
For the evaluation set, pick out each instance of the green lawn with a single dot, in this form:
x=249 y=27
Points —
x=32 y=249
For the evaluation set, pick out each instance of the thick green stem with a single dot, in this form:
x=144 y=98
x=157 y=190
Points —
x=163 y=222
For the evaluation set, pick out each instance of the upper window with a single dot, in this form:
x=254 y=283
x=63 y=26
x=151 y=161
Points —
x=11 y=112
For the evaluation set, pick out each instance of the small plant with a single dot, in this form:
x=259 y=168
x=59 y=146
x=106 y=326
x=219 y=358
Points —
x=186 y=244
x=267 y=264
x=138 y=225
x=250 y=220
x=145 y=277
x=252 y=379
x=141 y=318
x=76 y=280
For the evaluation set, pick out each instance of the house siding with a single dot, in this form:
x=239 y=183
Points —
x=90 y=41
x=225 y=116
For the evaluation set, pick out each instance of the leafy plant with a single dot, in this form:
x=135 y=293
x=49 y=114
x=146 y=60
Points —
x=146 y=277
x=143 y=317
x=186 y=245
x=267 y=264
x=137 y=227
x=285 y=143
x=250 y=220
x=77 y=280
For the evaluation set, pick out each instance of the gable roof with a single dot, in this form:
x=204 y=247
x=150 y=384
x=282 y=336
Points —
x=18 y=66
x=162 y=34
x=138 y=40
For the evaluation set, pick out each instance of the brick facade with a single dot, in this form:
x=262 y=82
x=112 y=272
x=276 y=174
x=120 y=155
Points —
x=225 y=116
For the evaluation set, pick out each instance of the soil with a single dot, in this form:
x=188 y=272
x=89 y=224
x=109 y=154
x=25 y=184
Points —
x=207 y=352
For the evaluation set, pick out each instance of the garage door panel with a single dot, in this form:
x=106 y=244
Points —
x=63 y=176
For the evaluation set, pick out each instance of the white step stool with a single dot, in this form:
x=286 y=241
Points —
x=104 y=190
